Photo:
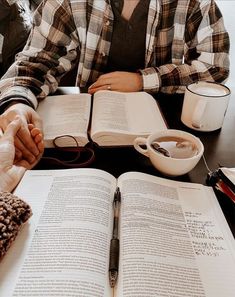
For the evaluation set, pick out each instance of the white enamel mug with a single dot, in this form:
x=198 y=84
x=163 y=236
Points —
x=205 y=105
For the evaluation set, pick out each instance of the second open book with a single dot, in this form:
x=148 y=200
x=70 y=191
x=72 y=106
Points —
x=115 y=118
x=174 y=239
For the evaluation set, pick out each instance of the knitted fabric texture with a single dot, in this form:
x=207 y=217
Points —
x=14 y=212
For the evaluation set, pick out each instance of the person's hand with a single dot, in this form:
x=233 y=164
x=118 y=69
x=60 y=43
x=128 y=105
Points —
x=118 y=81
x=12 y=168
x=24 y=143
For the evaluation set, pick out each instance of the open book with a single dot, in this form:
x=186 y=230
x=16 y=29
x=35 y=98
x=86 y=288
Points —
x=174 y=240
x=116 y=118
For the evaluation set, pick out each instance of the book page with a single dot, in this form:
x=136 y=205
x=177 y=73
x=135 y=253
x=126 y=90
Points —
x=174 y=240
x=64 y=249
x=65 y=115
x=118 y=118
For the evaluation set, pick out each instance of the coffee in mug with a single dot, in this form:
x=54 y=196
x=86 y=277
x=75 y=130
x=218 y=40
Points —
x=175 y=147
x=205 y=105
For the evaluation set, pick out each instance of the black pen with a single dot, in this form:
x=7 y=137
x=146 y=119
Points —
x=114 y=243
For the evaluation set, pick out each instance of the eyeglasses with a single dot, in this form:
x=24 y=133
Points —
x=73 y=156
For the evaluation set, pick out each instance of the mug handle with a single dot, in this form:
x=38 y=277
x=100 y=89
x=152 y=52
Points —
x=198 y=113
x=137 y=145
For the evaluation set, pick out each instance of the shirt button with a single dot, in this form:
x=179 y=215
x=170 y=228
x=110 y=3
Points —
x=107 y=23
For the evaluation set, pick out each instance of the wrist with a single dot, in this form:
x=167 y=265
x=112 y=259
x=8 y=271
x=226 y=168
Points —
x=140 y=82
x=8 y=102
x=5 y=181
x=10 y=177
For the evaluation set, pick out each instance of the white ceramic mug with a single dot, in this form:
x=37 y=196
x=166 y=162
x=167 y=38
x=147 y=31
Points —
x=205 y=105
x=168 y=165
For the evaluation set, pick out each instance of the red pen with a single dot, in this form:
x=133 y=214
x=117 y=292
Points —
x=220 y=185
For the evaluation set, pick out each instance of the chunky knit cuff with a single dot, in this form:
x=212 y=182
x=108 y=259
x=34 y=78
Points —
x=14 y=212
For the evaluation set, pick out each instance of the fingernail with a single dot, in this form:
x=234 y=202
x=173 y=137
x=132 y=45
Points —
x=32 y=159
x=36 y=153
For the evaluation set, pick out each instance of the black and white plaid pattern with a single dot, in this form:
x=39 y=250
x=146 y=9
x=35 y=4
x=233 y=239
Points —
x=186 y=41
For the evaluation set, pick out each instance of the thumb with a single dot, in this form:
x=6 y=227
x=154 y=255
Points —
x=36 y=120
x=13 y=128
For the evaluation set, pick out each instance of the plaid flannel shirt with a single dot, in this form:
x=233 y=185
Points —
x=185 y=42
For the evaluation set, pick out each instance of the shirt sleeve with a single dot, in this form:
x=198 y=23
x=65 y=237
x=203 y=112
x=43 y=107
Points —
x=206 y=53
x=49 y=53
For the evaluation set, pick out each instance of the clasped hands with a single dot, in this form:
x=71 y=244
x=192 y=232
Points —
x=13 y=164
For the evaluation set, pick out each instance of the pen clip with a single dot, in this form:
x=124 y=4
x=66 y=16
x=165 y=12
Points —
x=117 y=195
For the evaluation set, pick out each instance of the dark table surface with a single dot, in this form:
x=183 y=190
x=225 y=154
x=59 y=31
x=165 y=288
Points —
x=219 y=150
